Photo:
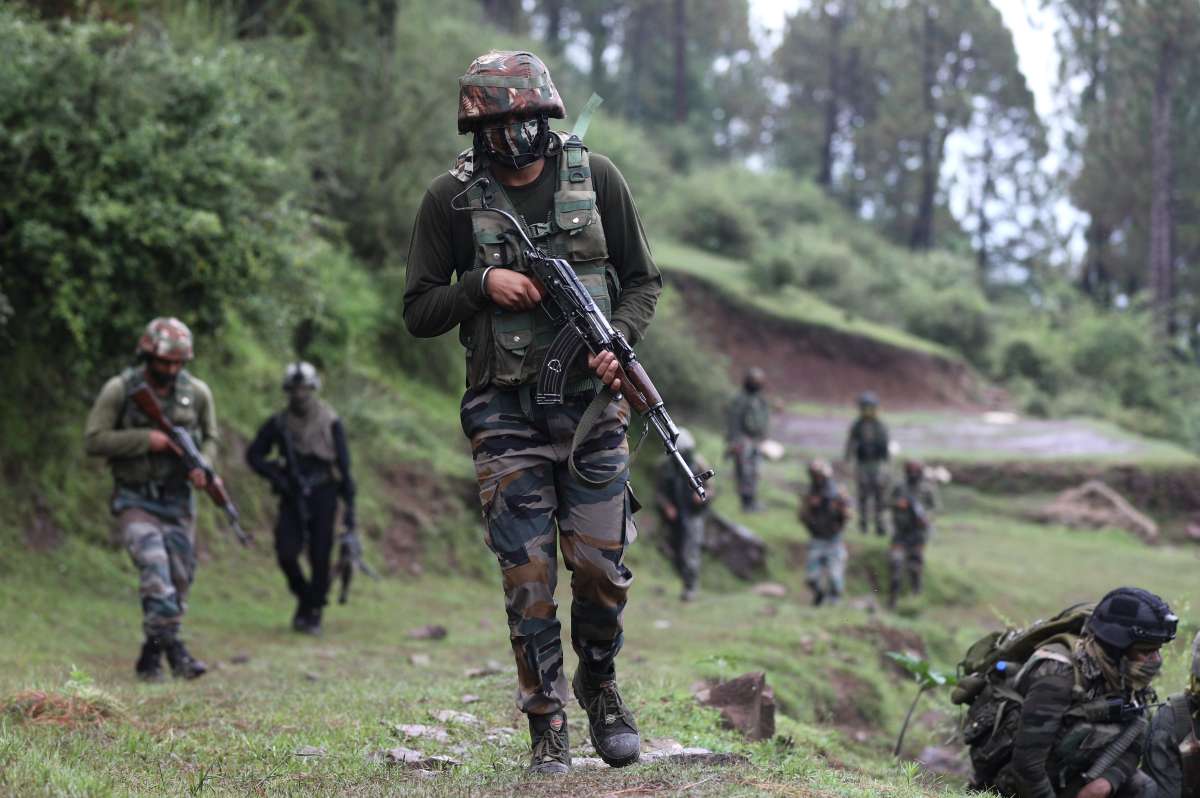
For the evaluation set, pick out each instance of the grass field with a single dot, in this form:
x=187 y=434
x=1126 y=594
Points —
x=71 y=627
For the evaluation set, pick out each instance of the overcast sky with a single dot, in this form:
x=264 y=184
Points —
x=1032 y=28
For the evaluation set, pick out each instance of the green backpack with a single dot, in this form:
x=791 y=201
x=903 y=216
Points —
x=988 y=686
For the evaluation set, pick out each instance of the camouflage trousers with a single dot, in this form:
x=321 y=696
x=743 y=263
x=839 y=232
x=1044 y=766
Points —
x=906 y=557
x=532 y=505
x=687 y=542
x=164 y=552
x=746 y=457
x=871 y=483
x=825 y=566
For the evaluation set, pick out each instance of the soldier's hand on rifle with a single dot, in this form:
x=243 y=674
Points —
x=512 y=290
x=607 y=368
x=198 y=478
x=161 y=442
x=1099 y=788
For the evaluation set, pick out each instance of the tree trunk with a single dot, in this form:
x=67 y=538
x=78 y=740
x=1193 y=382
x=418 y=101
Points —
x=553 y=10
x=834 y=99
x=984 y=224
x=636 y=35
x=1161 y=276
x=681 y=101
x=921 y=236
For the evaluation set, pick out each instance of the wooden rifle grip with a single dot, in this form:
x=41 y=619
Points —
x=638 y=388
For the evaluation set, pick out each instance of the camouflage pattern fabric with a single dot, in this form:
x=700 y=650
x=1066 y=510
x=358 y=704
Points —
x=687 y=542
x=505 y=83
x=825 y=566
x=164 y=552
x=871 y=482
x=1170 y=741
x=746 y=458
x=532 y=504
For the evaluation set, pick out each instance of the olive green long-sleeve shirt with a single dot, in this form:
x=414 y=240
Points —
x=128 y=449
x=442 y=289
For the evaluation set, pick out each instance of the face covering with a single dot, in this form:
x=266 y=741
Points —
x=516 y=145
x=1138 y=675
x=301 y=401
x=159 y=378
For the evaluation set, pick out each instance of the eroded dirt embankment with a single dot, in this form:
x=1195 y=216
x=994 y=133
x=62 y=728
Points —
x=814 y=363
x=1157 y=489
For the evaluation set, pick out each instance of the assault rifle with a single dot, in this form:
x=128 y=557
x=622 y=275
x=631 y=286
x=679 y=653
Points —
x=584 y=326
x=350 y=558
x=186 y=448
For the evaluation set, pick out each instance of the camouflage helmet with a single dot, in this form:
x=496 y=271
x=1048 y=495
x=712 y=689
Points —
x=301 y=374
x=506 y=82
x=868 y=399
x=820 y=468
x=166 y=338
x=914 y=468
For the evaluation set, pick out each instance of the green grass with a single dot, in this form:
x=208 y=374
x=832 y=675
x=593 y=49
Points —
x=237 y=730
x=790 y=303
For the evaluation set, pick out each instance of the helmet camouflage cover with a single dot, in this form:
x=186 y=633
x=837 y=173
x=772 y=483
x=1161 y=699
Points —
x=504 y=82
x=166 y=338
x=301 y=374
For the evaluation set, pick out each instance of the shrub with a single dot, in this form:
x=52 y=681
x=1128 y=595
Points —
x=807 y=257
x=139 y=180
x=957 y=318
x=697 y=214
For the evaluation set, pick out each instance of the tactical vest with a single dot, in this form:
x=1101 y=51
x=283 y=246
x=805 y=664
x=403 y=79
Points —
x=162 y=469
x=870 y=444
x=506 y=348
x=1189 y=746
x=825 y=512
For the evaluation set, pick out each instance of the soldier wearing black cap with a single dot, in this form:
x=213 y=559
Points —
x=1083 y=714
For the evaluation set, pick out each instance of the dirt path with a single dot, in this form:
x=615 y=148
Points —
x=970 y=436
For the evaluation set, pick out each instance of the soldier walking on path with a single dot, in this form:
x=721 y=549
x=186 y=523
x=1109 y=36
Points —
x=1171 y=758
x=467 y=269
x=867 y=446
x=312 y=471
x=913 y=503
x=685 y=514
x=152 y=493
x=824 y=511
x=749 y=419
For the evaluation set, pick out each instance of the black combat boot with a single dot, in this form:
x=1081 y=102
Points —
x=313 y=626
x=551 y=747
x=818 y=595
x=149 y=664
x=610 y=723
x=300 y=618
x=183 y=665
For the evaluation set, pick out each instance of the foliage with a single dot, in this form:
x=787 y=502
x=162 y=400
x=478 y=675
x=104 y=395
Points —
x=142 y=181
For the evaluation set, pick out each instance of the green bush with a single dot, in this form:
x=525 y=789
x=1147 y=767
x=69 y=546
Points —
x=957 y=318
x=697 y=214
x=140 y=181
x=805 y=256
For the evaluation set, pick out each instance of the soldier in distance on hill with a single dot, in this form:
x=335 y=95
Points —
x=684 y=514
x=469 y=270
x=867 y=448
x=312 y=471
x=749 y=418
x=913 y=504
x=152 y=492
x=824 y=510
